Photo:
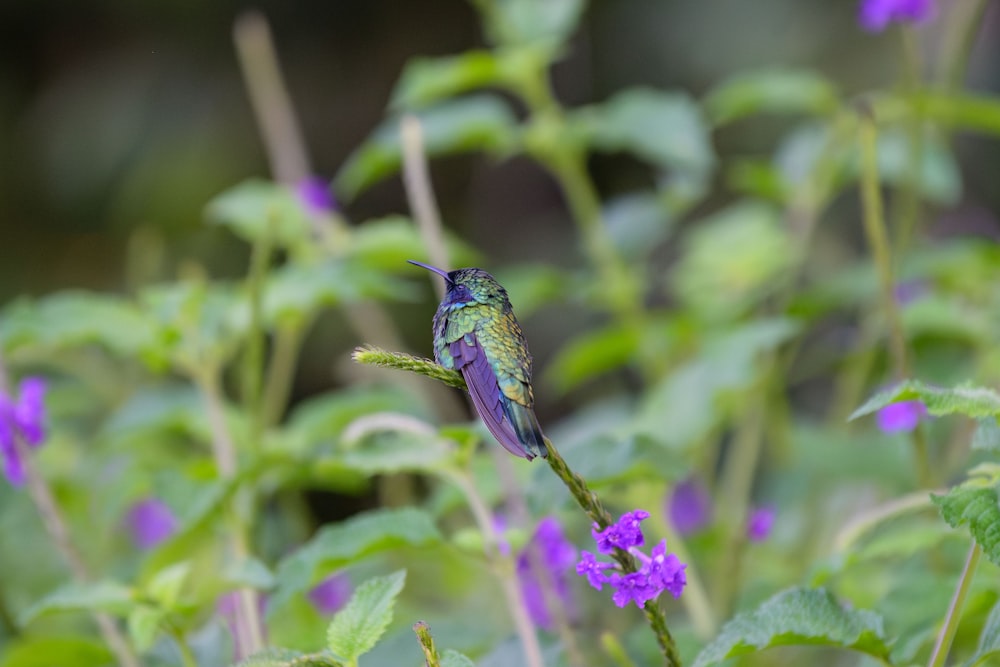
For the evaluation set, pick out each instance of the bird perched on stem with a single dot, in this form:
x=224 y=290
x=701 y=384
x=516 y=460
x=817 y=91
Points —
x=476 y=333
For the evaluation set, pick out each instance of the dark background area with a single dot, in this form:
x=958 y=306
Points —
x=119 y=120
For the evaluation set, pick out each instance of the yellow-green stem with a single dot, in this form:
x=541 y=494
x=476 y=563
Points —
x=950 y=627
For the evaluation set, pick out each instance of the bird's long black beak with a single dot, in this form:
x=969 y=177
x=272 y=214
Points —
x=440 y=272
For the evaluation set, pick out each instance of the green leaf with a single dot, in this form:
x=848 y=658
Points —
x=283 y=657
x=532 y=286
x=48 y=650
x=452 y=658
x=165 y=586
x=733 y=260
x=591 y=354
x=76 y=318
x=638 y=223
x=479 y=122
x=386 y=244
x=976 y=506
x=775 y=90
x=516 y=22
x=979 y=113
x=989 y=640
x=666 y=129
x=338 y=545
x=257 y=209
x=428 y=80
x=249 y=573
x=144 y=626
x=357 y=627
x=107 y=596
x=798 y=617
x=965 y=399
x=987 y=434
x=389 y=451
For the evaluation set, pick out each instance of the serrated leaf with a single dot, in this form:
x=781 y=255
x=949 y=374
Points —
x=452 y=658
x=775 y=90
x=165 y=586
x=974 y=506
x=987 y=434
x=256 y=209
x=478 y=122
x=989 y=640
x=356 y=628
x=337 y=545
x=283 y=657
x=143 y=626
x=108 y=596
x=798 y=617
x=666 y=129
x=966 y=399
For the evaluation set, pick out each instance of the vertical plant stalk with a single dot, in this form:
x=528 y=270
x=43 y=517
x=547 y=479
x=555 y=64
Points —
x=420 y=194
x=947 y=634
x=546 y=580
x=695 y=598
x=55 y=525
x=423 y=632
x=249 y=626
x=959 y=41
x=878 y=240
x=504 y=568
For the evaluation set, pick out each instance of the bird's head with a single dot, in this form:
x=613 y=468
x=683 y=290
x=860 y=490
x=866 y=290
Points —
x=464 y=286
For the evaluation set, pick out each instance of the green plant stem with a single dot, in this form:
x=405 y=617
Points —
x=423 y=632
x=959 y=41
x=281 y=368
x=187 y=656
x=504 y=567
x=950 y=626
x=907 y=215
x=853 y=530
x=878 y=239
x=55 y=524
x=695 y=598
x=253 y=359
x=249 y=632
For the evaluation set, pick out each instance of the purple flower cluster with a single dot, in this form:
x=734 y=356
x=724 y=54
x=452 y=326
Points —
x=657 y=572
x=557 y=555
x=876 y=15
x=21 y=418
x=689 y=506
x=760 y=523
x=329 y=595
x=314 y=194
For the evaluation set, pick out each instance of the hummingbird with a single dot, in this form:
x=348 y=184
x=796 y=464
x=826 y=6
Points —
x=476 y=333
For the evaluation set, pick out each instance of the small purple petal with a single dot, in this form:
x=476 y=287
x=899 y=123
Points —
x=689 y=506
x=315 y=195
x=876 y=15
x=760 y=522
x=500 y=527
x=593 y=569
x=13 y=467
x=558 y=555
x=900 y=417
x=329 y=595
x=633 y=587
x=666 y=571
x=624 y=534
x=29 y=411
x=150 y=522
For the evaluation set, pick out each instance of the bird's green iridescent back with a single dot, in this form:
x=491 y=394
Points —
x=498 y=333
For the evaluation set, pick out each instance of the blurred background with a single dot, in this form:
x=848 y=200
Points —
x=120 y=120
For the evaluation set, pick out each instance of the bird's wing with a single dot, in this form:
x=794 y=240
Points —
x=468 y=357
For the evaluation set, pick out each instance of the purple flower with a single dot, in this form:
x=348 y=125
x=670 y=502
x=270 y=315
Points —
x=557 y=555
x=759 y=523
x=150 y=521
x=624 y=534
x=900 y=417
x=689 y=506
x=876 y=15
x=315 y=196
x=329 y=595
x=22 y=417
x=657 y=572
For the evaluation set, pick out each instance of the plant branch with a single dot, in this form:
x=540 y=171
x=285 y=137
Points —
x=420 y=194
x=423 y=633
x=950 y=626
